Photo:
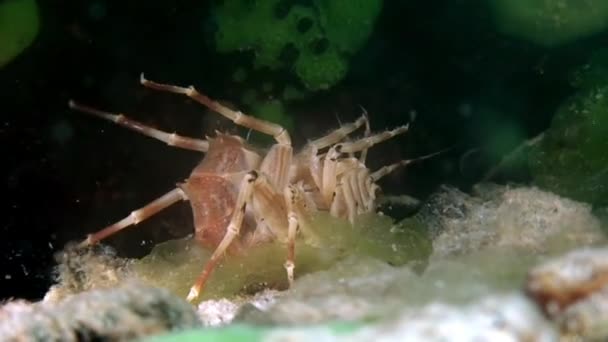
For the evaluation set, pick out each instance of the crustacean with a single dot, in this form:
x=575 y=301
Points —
x=241 y=197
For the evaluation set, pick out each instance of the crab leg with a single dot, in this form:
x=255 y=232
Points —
x=385 y=170
x=277 y=131
x=137 y=216
x=232 y=231
x=367 y=142
x=367 y=133
x=361 y=184
x=290 y=193
x=275 y=212
x=309 y=152
x=337 y=207
x=350 y=197
x=170 y=139
x=328 y=180
x=276 y=165
x=330 y=163
x=355 y=194
x=340 y=133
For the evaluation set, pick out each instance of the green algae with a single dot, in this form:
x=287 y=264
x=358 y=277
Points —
x=19 y=24
x=176 y=264
x=572 y=157
x=317 y=37
x=241 y=332
x=550 y=22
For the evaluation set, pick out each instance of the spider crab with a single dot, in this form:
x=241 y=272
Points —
x=241 y=197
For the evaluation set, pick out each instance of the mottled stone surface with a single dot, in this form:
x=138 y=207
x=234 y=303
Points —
x=522 y=218
x=123 y=313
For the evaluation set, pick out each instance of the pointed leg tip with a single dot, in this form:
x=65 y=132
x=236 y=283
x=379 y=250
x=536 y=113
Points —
x=193 y=294
x=289 y=267
x=85 y=243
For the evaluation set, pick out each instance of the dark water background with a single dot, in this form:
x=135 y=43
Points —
x=66 y=174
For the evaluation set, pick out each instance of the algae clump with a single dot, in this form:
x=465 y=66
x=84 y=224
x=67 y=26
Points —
x=176 y=264
x=550 y=22
x=315 y=39
x=19 y=25
x=572 y=157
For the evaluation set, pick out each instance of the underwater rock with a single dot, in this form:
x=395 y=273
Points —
x=353 y=289
x=365 y=289
x=82 y=269
x=526 y=219
x=593 y=73
x=573 y=291
x=587 y=318
x=175 y=264
x=496 y=318
x=485 y=244
x=120 y=314
x=218 y=312
x=571 y=159
x=508 y=317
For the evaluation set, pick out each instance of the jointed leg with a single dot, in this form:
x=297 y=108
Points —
x=340 y=133
x=385 y=170
x=314 y=161
x=350 y=197
x=276 y=165
x=365 y=191
x=368 y=132
x=278 y=132
x=329 y=173
x=367 y=142
x=358 y=193
x=328 y=180
x=290 y=194
x=171 y=139
x=404 y=201
x=355 y=194
x=137 y=216
x=337 y=208
x=330 y=164
x=232 y=232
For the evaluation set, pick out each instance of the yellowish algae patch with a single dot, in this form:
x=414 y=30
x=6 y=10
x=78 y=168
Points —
x=19 y=25
x=176 y=264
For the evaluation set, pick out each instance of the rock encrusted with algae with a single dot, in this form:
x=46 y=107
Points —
x=484 y=245
x=364 y=289
x=472 y=285
x=218 y=312
x=573 y=291
x=571 y=159
x=526 y=219
x=83 y=269
x=509 y=317
x=175 y=264
x=120 y=314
